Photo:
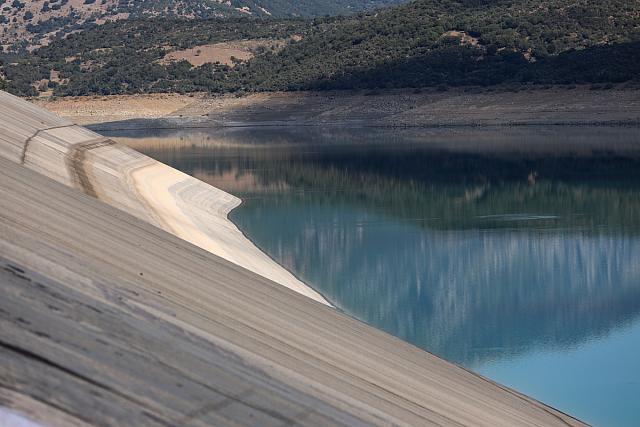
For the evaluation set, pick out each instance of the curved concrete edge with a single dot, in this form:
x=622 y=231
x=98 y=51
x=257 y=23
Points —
x=130 y=181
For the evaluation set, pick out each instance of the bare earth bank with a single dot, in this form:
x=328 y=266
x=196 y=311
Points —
x=455 y=107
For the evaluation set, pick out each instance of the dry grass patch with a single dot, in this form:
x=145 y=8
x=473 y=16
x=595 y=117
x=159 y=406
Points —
x=224 y=53
x=463 y=36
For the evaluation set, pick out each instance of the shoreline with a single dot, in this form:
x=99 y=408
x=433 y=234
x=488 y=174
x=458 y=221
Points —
x=328 y=302
x=152 y=124
x=471 y=107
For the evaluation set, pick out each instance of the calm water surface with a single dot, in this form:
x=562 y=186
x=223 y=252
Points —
x=513 y=252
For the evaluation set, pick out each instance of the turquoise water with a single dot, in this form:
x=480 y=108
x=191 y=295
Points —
x=512 y=252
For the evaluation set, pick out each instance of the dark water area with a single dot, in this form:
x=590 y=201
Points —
x=514 y=252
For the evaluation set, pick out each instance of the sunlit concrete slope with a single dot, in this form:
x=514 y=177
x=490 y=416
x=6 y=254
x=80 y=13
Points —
x=106 y=319
x=133 y=182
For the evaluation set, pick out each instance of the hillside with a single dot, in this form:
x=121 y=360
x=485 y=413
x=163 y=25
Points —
x=425 y=43
x=100 y=60
x=468 y=42
x=30 y=24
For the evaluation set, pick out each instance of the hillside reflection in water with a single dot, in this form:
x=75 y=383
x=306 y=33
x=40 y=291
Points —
x=515 y=253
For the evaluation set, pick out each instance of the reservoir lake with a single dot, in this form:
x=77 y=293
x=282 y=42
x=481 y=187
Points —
x=513 y=252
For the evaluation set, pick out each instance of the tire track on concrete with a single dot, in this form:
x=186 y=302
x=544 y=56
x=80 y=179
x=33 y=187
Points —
x=76 y=159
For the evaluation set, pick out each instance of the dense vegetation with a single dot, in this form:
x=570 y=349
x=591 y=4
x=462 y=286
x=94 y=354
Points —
x=430 y=43
x=426 y=43
x=310 y=8
x=122 y=56
x=35 y=23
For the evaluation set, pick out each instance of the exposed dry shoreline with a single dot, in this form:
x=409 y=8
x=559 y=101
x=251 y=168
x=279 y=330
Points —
x=393 y=108
x=97 y=109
